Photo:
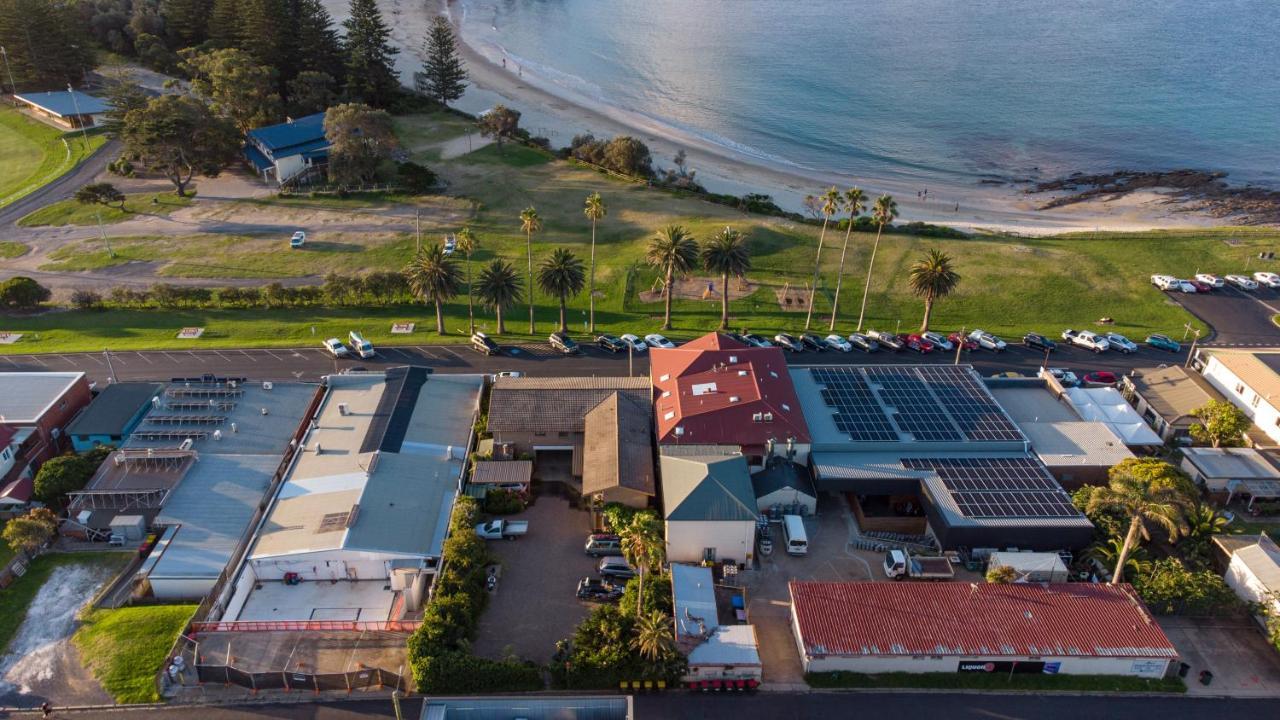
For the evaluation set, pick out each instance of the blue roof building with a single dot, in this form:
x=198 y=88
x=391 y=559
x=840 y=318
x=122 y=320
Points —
x=281 y=152
x=70 y=109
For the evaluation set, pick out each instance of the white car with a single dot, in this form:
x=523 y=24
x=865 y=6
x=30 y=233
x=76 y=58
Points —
x=1121 y=343
x=1269 y=279
x=1065 y=377
x=1183 y=286
x=1164 y=282
x=939 y=340
x=335 y=346
x=657 y=341
x=1210 y=280
x=987 y=341
x=298 y=240
x=635 y=343
x=836 y=342
x=1086 y=339
x=1242 y=282
x=450 y=245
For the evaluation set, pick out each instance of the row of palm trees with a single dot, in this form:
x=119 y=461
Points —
x=434 y=276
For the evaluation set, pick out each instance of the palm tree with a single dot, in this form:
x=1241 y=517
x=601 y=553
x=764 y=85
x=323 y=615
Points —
x=855 y=203
x=467 y=245
x=433 y=277
x=727 y=254
x=642 y=547
x=530 y=223
x=500 y=288
x=561 y=275
x=1203 y=521
x=653 y=639
x=1108 y=553
x=884 y=211
x=831 y=202
x=675 y=253
x=932 y=278
x=1142 y=501
x=595 y=210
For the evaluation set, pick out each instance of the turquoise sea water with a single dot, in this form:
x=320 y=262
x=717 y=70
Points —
x=923 y=90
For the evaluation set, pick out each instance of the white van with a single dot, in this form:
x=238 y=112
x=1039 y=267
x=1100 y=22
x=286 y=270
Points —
x=797 y=540
x=362 y=347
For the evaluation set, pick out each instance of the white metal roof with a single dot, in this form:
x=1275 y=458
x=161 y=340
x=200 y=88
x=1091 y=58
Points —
x=1106 y=405
x=26 y=396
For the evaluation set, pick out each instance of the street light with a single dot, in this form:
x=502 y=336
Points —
x=75 y=104
x=9 y=70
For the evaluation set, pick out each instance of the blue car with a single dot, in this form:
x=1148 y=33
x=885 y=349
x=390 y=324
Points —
x=1164 y=342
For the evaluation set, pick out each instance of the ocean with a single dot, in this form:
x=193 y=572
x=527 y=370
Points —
x=921 y=91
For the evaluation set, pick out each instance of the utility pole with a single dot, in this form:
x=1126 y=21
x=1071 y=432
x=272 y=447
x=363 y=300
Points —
x=959 y=346
x=76 y=104
x=111 y=371
x=102 y=231
x=417 y=228
x=12 y=86
x=1192 y=352
x=630 y=361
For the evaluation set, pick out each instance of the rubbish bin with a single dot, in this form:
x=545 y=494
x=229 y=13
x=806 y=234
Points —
x=1206 y=677
x=1183 y=669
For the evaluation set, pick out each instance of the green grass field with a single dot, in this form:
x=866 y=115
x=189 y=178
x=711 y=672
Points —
x=32 y=154
x=15 y=599
x=996 y=682
x=6 y=552
x=1009 y=285
x=70 y=212
x=421 y=134
x=10 y=249
x=125 y=648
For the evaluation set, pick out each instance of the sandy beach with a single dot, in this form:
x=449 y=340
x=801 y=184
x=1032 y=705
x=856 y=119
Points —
x=551 y=111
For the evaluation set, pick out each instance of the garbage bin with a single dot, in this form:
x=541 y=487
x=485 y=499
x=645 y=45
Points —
x=1183 y=669
x=1206 y=677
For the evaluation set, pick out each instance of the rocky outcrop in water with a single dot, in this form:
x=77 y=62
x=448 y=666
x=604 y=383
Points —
x=1194 y=190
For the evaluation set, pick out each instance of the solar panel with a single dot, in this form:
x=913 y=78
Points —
x=857 y=412
x=999 y=487
x=972 y=408
x=916 y=409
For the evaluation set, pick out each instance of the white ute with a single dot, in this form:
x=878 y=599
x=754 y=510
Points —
x=1086 y=339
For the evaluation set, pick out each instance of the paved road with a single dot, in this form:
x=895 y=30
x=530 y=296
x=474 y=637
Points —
x=63 y=187
x=312 y=362
x=1239 y=318
x=780 y=706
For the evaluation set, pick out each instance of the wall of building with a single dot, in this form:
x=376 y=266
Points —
x=43 y=444
x=1067 y=665
x=687 y=539
x=1073 y=477
x=787 y=496
x=722 y=672
x=84 y=443
x=1247 y=585
x=181 y=588
x=1263 y=413
x=287 y=167
x=524 y=443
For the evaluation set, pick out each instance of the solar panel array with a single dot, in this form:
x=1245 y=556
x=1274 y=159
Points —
x=999 y=487
x=858 y=413
x=933 y=404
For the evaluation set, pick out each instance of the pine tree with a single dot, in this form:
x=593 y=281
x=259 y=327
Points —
x=371 y=77
x=265 y=33
x=44 y=44
x=224 y=23
x=319 y=48
x=187 y=21
x=443 y=76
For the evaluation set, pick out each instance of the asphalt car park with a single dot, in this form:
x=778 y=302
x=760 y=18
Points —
x=1238 y=317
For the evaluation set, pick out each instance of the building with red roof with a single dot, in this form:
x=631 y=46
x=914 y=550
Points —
x=1068 y=628
x=718 y=391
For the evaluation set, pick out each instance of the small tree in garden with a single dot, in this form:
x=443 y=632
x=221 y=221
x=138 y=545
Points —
x=103 y=193
x=499 y=123
x=1221 y=424
x=31 y=531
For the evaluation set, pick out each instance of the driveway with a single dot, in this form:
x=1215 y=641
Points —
x=534 y=605
x=1235 y=651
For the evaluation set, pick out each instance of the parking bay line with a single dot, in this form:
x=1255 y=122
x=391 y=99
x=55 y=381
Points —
x=144 y=357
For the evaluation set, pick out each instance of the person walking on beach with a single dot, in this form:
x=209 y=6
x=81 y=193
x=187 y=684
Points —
x=504 y=63
x=46 y=709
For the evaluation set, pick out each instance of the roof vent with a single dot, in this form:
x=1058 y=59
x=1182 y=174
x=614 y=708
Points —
x=768 y=417
x=670 y=415
x=742 y=373
x=664 y=377
x=343 y=409
x=733 y=359
x=679 y=431
x=267 y=385
x=786 y=407
x=757 y=417
x=733 y=398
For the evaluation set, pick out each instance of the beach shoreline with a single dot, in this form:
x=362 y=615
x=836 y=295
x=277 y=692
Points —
x=553 y=112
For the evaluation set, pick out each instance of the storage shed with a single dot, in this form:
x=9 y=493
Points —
x=1033 y=567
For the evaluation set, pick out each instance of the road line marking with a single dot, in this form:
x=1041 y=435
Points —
x=172 y=359
x=11 y=362
x=254 y=359
x=197 y=357
x=426 y=352
x=144 y=357
x=454 y=353
x=277 y=357
x=38 y=360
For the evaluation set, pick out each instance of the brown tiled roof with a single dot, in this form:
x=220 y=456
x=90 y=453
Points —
x=501 y=472
x=556 y=404
x=618 y=448
x=1173 y=392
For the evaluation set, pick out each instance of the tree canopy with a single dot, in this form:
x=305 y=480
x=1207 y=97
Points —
x=178 y=136
x=443 y=77
x=61 y=475
x=371 y=75
x=362 y=141
x=22 y=293
x=103 y=193
x=499 y=123
x=43 y=42
x=236 y=86
x=1221 y=424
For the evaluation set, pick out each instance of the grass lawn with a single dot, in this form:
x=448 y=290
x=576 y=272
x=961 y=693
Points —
x=421 y=134
x=10 y=249
x=125 y=648
x=1009 y=285
x=6 y=552
x=32 y=153
x=15 y=599
x=70 y=212
x=995 y=681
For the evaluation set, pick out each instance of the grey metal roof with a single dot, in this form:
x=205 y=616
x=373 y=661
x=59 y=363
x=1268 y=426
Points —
x=113 y=408
x=1231 y=463
x=707 y=488
x=1173 y=392
x=24 y=396
x=556 y=404
x=693 y=596
x=213 y=504
x=782 y=474
x=1076 y=443
x=256 y=433
x=1033 y=404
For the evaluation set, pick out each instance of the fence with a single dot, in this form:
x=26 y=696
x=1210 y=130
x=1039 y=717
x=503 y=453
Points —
x=292 y=680
x=404 y=626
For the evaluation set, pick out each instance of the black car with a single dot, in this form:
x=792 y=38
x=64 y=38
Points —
x=597 y=590
x=1036 y=340
x=756 y=341
x=611 y=343
x=564 y=343
x=740 y=338
x=788 y=342
x=813 y=342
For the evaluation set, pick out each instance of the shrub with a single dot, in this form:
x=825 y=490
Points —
x=22 y=293
x=1172 y=589
x=416 y=178
x=503 y=502
x=86 y=300
x=61 y=475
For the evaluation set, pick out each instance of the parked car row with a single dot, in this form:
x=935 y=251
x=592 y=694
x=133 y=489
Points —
x=1207 y=282
x=356 y=345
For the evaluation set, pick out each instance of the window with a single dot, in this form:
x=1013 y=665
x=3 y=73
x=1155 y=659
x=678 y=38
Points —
x=539 y=434
x=709 y=554
x=1254 y=402
x=1239 y=388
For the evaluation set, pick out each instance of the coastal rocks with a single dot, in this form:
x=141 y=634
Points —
x=1197 y=190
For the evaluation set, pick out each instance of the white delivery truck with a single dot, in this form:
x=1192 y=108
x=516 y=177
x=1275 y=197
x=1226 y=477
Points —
x=360 y=346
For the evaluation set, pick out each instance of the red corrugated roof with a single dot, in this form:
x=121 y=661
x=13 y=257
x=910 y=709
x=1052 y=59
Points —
x=6 y=435
x=968 y=619
x=714 y=387
x=19 y=490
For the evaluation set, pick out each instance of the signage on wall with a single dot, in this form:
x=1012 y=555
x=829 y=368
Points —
x=1002 y=666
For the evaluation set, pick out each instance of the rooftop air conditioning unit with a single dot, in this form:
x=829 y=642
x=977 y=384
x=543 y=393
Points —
x=318 y=449
x=217 y=434
x=768 y=417
x=267 y=385
x=343 y=409
x=733 y=359
x=757 y=417
x=186 y=444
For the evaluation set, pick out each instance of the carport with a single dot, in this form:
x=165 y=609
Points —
x=1255 y=489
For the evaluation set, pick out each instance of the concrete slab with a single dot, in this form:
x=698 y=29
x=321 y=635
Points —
x=1243 y=663
x=365 y=601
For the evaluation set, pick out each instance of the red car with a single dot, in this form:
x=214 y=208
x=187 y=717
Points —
x=1102 y=377
x=919 y=344
x=963 y=341
x=1201 y=287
